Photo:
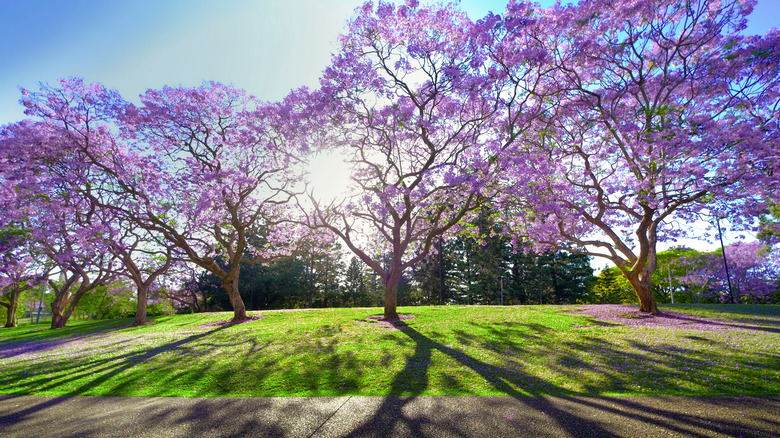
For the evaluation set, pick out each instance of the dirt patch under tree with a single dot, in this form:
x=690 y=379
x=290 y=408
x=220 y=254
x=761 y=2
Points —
x=390 y=324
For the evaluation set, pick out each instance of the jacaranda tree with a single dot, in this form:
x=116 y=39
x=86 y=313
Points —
x=42 y=167
x=65 y=176
x=224 y=171
x=190 y=171
x=753 y=274
x=663 y=113
x=403 y=101
x=21 y=267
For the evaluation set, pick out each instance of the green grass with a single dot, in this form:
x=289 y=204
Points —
x=750 y=314
x=532 y=350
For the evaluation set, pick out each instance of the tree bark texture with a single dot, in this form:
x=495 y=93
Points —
x=10 y=320
x=239 y=310
x=62 y=307
x=644 y=291
x=140 y=310
x=57 y=319
x=391 y=295
x=61 y=311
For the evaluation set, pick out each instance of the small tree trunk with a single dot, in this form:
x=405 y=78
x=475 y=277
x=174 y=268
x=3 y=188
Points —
x=10 y=320
x=391 y=301
x=58 y=320
x=239 y=310
x=644 y=292
x=61 y=311
x=391 y=296
x=140 y=310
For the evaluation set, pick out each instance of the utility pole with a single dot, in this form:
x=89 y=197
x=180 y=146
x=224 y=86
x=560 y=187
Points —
x=43 y=290
x=40 y=304
x=441 y=272
x=502 y=289
x=725 y=263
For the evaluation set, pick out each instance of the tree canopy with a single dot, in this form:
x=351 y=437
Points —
x=592 y=130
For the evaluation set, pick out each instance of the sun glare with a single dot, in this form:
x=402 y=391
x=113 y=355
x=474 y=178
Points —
x=328 y=176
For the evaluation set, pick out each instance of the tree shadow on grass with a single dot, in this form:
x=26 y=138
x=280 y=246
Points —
x=567 y=412
x=759 y=324
x=46 y=339
x=748 y=316
x=106 y=369
x=615 y=370
x=414 y=380
x=747 y=310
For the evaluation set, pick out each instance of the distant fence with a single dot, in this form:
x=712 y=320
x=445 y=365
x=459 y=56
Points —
x=30 y=317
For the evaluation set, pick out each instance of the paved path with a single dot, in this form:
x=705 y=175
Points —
x=495 y=417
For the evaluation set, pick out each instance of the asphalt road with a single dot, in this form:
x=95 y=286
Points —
x=495 y=417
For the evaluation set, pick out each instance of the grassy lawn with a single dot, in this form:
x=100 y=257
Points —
x=750 y=314
x=532 y=350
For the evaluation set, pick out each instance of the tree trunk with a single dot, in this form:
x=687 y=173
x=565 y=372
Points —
x=61 y=311
x=58 y=320
x=140 y=310
x=391 y=301
x=64 y=303
x=643 y=289
x=10 y=320
x=239 y=310
x=391 y=296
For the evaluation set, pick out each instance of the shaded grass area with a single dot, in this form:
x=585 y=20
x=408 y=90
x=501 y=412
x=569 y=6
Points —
x=453 y=350
x=761 y=315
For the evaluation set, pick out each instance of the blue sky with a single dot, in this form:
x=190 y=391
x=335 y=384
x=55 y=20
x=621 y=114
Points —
x=267 y=47
x=264 y=46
